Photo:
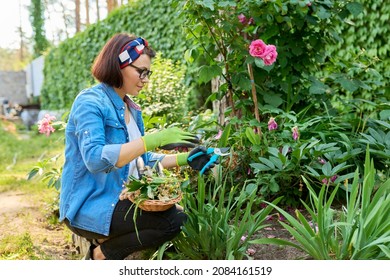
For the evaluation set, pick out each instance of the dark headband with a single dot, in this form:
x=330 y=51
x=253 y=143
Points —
x=131 y=51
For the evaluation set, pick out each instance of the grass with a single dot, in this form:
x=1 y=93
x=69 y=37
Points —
x=21 y=150
x=17 y=247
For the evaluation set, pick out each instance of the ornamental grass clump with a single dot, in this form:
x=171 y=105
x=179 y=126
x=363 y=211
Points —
x=222 y=218
x=360 y=230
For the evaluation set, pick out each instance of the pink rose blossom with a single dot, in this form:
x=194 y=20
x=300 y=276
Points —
x=257 y=48
x=272 y=125
x=242 y=18
x=266 y=52
x=45 y=125
x=270 y=55
x=295 y=133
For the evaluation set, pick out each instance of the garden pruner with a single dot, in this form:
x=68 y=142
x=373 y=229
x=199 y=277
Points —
x=217 y=152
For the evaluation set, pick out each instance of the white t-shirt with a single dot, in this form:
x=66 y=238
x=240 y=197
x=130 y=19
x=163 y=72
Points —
x=134 y=134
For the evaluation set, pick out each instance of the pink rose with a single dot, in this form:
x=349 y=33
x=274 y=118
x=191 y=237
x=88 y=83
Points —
x=266 y=52
x=242 y=18
x=257 y=48
x=270 y=55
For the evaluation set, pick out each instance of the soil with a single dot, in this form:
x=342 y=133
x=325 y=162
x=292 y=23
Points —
x=20 y=215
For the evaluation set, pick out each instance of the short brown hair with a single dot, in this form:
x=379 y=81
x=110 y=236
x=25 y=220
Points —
x=106 y=65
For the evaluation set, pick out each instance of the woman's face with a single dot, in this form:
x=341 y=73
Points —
x=132 y=84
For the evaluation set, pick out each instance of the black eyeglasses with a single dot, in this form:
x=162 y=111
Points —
x=143 y=73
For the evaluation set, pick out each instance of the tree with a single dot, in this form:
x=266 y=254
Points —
x=87 y=13
x=78 y=23
x=97 y=10
x=38 y=22
x=111 y=5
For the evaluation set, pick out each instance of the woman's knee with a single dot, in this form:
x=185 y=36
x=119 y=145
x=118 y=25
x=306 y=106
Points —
x=178 y=220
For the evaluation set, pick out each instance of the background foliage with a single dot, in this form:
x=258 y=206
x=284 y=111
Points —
x=67 y=67
x=309 y=88
x=336 y=101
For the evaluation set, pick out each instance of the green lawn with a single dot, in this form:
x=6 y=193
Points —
x=20 y=152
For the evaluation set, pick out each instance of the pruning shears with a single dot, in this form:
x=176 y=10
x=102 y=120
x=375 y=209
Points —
x=217 y=152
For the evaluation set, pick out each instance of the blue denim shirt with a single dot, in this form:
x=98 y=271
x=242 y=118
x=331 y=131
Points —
x=91 y=183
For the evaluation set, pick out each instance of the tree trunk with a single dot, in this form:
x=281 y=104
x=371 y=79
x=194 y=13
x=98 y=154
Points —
x=111 y=5
x=97 y=10
x=78 y=24
x=87 y=12
x=21 y=54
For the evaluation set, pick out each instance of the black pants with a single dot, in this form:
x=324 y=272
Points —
x=154 y=228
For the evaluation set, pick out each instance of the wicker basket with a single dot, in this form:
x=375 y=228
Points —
x=156 y=205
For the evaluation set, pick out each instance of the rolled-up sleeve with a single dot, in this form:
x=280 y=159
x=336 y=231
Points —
x=88 y=118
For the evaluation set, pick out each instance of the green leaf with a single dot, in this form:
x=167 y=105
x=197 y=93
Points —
x=260 y=167
x=275 y=241
x=206 y=3
x=322 y=13
x=273 y=99
x=355 y=8
x=259 y=62
x=312 y=171
x=274 y=186
x=250 y=188
x=267 y=162
x=207 y=73
x=347 y=84
x=252 y=136
x=225 y=136
x=318 y=87
x=327 y=169
x=32 y=173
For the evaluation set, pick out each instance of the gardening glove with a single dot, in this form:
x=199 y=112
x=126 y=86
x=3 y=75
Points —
x=169 y=139
x=197 y=163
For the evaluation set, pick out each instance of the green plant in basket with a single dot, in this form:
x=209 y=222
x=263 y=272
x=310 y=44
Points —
x=157 y=189
x=153 y=186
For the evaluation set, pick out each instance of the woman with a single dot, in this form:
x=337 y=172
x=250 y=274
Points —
x=104 y=137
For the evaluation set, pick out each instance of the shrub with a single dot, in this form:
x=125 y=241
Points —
x=166 y=94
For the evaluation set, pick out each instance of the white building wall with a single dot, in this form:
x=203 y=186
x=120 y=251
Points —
x=34 y=77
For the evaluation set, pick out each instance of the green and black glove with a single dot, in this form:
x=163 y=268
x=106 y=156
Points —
x=169 y=139
x=197 y=163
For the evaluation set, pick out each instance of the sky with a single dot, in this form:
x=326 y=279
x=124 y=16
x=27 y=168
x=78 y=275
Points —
x=10 y=22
